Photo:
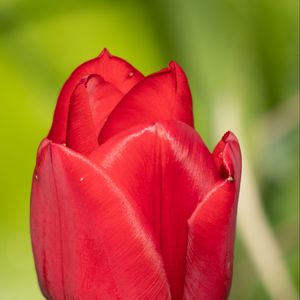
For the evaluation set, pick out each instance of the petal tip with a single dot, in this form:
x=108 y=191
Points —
x=174 y=67
x=172 y=64
x=92 y=79
x=229 y=136
x=104 y=53
x=227 y=156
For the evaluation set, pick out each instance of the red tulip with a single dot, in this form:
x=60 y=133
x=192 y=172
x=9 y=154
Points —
x=127 y=201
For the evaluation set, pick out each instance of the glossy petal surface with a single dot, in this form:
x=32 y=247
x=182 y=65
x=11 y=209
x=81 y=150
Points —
x=212 y=229
x=90 y=240
x=161 y=96
x=112 y=69
x=167 y=170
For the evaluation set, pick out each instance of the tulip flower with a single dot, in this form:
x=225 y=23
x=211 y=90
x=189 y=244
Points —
x=127 y=201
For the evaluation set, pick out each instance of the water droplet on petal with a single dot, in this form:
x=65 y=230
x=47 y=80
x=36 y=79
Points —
x=230 y=178
x=81 y=179
x=130 y=74
x=36 y=177
x=221 y=154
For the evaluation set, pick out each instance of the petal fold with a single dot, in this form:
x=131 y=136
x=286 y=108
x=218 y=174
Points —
x=112 y=69
x=212 y=229
x=89 y=240
x=227 y=156
x=91 y=103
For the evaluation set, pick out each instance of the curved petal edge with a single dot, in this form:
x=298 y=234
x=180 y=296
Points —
x=161 y=96
x=209 y=260
x=112 y=69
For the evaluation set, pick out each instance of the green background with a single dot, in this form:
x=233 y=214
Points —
x=241 y=58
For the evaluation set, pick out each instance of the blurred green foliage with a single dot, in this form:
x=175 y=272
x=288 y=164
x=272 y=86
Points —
x=248 y=49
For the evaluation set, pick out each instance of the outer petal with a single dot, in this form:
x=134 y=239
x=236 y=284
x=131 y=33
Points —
x=112 y=69
x=167 y=170
x=212 y=230
x=89 y=240
x=161 y=96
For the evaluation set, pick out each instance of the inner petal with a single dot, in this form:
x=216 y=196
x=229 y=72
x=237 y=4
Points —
x=91 y=103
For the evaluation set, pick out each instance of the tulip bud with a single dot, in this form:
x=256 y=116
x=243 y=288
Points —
x=127 y=201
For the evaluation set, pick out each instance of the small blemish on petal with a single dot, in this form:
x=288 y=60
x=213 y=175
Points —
x=130 y=74
x=230 y=178
x=64 y=144
x=221 y=154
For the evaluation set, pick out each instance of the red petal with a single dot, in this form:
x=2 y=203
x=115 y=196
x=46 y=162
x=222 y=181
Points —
x=89 y=240
x=161 y=96
x=112 y=69
x=91 y=103
x=43 y=214
x=167 y=170
x=212 y=230
x=227 y=156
